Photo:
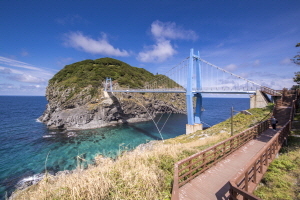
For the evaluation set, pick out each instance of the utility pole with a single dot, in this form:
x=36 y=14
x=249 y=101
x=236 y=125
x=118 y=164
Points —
x=232 y=119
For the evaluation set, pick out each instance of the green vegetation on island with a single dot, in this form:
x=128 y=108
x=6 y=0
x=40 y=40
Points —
x=94 y=72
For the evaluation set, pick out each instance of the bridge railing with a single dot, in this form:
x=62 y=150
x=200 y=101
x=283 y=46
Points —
x=244 y=183
x=271 y=91
x=187 y=169
x=162 y=90
x=226 y=88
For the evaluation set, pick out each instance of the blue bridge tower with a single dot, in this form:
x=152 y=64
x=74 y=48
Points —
x=194 y=86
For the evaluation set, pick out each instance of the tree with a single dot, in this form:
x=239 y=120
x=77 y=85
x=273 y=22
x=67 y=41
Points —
x=296 y=58
x=297 y=77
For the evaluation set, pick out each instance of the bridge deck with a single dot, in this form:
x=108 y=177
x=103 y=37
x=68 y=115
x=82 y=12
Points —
x=184 y=91
x=214 y=183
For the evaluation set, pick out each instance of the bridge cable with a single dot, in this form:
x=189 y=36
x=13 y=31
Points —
x=160 y=117
x=165 y=121
x=151 y=118
x=148 y=114
x=206 y=124
x=228 y=72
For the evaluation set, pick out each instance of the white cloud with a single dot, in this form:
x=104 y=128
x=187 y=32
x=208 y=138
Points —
x=14 y=72
x=256 y=63
x=24 y=53
x=15 y=63
x=157 y=53
x=169 y=30
x=27 y=78
x=4 y=70
x=231 y=67
x=286 y=61
x=220 y=45
x=163 y=33
x=6 y=86
x=30 y=87
x=71 y=20
x=100 y=46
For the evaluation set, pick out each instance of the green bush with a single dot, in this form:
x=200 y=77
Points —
x=280 y=181
x=93 y=72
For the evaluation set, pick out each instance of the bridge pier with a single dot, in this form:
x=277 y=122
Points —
x=193 y=128
x=259 y=100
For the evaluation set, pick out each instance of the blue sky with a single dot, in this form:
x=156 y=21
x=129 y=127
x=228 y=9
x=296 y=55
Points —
x=254 y=39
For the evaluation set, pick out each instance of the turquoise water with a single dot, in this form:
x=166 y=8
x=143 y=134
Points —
x=25 y=143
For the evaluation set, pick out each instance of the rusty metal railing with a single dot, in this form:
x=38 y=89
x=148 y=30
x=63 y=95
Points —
x=187 y=169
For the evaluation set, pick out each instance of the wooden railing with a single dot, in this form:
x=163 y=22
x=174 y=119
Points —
x=271 y=91
x=187 y=169
x=242 y=186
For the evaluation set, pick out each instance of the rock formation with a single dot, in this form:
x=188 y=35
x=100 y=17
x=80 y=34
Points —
x=91 y=107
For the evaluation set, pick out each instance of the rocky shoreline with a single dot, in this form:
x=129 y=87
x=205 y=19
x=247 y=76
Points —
x=36 y=178
x=83 y=111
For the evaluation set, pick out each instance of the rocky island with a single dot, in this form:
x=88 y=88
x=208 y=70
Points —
x=77 y=100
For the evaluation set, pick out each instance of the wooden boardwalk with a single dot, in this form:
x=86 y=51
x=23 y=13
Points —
x=214 y=183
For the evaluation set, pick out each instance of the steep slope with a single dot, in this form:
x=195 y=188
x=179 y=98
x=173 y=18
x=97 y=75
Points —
x=76 y=97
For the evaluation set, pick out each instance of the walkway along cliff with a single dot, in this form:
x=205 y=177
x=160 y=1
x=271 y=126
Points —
x=232 y=169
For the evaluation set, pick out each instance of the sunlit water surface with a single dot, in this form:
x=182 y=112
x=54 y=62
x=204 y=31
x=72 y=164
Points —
x=26 y=143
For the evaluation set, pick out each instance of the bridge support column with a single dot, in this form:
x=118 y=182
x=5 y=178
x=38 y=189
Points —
x=258 y=100
x=193 y=128
x=198 y=110
x=194 y=119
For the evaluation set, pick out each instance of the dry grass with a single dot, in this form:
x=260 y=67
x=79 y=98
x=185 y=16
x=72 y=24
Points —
x=144 y=173
x=140 y=174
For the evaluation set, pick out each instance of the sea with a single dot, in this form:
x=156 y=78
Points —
x=28 y=148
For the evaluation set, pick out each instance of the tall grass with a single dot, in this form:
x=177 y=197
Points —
x=144 y=173
x=282 y=180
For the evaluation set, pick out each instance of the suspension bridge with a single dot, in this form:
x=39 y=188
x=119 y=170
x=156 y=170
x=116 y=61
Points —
x=234 y=167
x=194 y=77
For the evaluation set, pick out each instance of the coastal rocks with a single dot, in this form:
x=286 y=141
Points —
x=146 y=146
x=32 y=180
x=28 y=181
x=72 y=111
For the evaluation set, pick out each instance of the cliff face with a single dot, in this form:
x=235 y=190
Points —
x=91 y=107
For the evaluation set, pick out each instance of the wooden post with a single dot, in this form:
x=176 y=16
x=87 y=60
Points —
x=261 y=164
x=175 y=191
x=246 y=181
x=255 y=171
